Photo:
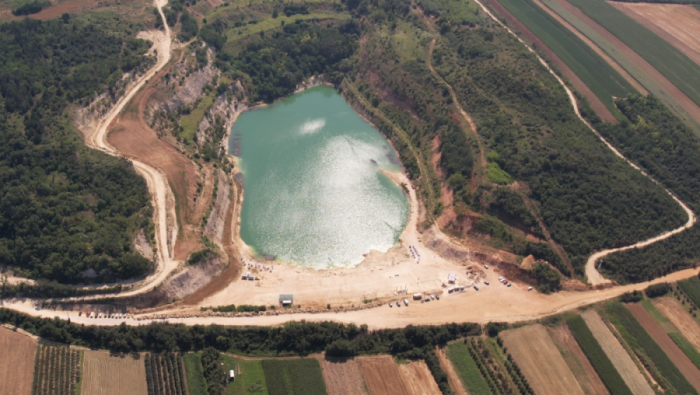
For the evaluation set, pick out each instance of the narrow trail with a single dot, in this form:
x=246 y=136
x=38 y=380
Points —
x=594 y=277
x=156 y=181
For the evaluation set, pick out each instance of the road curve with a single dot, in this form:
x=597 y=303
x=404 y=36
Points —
x=594 y=277
x=156 y=181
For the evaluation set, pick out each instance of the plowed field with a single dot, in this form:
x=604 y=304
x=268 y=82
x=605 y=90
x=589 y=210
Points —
x=540 y=361
x=382 y=376
x=17 y=362
x=681 y=319
x=684 y=364
x=104 y=374
x=342 y=376
x=617 y=354
x=419 y=379
x=578 y=362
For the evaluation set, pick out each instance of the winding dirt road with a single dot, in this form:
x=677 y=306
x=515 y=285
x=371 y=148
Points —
x=594 y=277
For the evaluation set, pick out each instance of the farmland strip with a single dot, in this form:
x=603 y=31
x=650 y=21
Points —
x=680 y=318
x=581 y=367
x=617 y=354
x=691 y=287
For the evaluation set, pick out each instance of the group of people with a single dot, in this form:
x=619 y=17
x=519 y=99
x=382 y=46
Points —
x=253 y=264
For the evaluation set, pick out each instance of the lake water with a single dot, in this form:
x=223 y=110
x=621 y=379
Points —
x=314 y=193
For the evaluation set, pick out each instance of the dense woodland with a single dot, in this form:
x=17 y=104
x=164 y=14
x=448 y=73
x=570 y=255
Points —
x=64 y=208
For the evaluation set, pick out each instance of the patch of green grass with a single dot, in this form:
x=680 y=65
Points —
x=595 y=354
x=294 y=377
x=656 y=314
x=687 y=347
x=250 y=378
x=191 y=121
x=691 y=287
x=594 y=71
x=498 y=175
x=195 y=376
x=467 y=369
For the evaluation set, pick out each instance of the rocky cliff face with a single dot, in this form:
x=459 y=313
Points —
x=221 y=115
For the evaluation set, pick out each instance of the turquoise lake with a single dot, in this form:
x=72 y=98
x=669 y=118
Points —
x=314 y=192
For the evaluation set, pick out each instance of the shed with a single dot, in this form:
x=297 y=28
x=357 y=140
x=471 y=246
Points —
x=231 y=375
x=451 y=278
x=286 y=299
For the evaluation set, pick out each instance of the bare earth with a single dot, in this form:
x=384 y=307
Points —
x=684 y=364
x=382 y=376
x=16 y=363
x=617 y=354
x=419 y=379
x=680 y=318
x=452 y=376
x=342 y=376
x=578 y=362
x=104 y=374
x=540 y=361
x=678 y=24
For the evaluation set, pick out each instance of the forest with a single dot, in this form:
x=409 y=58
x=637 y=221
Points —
x=64 y=208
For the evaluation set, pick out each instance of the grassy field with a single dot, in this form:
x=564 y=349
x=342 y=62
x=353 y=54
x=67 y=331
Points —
x=602 y=364
x=640 y=340
x=691 y=287
x=190 y=121
x=195 y=377
x=250 y=377
x=294 y=377
x=467 y=369
x=593 y=70
x=669 y=61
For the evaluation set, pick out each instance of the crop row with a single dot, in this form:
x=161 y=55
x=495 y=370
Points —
x=467 y=369
x=691 y=287
x=490 y=369
x=164 y=374
x=515 y=373
x=600 y=361
x=643 y=343
x=56 y=370
x=294 y=377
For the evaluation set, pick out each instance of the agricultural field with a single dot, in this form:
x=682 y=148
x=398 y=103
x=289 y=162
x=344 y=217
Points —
x=342 y=376
x=691 y=287
x=596 y=356
x=540 y=361
x=293 y=377
x=602 y=79
x=579 y=364
x=669 y=347
x=465 y=365
x=642 y=343
x=250 y=377
x=193 y=371
x=382 y=376
x=17 y=363
x=165 y=374
x=664 y=57
x=106 y=374
x=56 y=371
x=680 y=318
x=617 y=354
x=418 y=378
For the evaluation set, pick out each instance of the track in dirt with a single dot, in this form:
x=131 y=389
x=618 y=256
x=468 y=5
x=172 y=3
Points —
x=680 y=318
x=677 y=356
x=16 y=362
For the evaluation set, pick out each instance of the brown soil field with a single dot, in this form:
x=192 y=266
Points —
x=418 y=378
x=342 y=376
x=569 y=74
x=617 y=354
x=17 y=362
x=382 y=376
x=680 y=318
x=104 y=374
x=664 y=83
x=678 y=24
x=684 y=364
x=540 y=361
x=578 y=362
x=452 y=376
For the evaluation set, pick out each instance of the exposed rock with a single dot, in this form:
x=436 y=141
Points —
x=528 y=262
x=193 y=278
x=225 y=109
x=217 y=218
x=142 y=246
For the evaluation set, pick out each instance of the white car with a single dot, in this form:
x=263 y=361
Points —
x=486 y=266
x=391 y=304
x=529 y=288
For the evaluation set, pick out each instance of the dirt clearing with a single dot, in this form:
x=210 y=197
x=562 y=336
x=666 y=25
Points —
x=678 y=24
x=578 y=362
x=342 y=376
x=382 y=376
x=540 y=361
x=681 y=319
x=684 y=364
x=617 y=354
x=17 y=362
x=104 y=374
x=418 y=378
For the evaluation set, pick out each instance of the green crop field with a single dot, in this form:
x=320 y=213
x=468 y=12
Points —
x=673 y=332
x=640 y=340
x=593 y=70
x=601 y=363
x=467 y=369
x=691 y=287
x=294 y=377
x=667 y=59
x=250 y=378
x=195 y=376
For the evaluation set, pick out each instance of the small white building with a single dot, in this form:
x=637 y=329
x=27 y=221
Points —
x=231 y=375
